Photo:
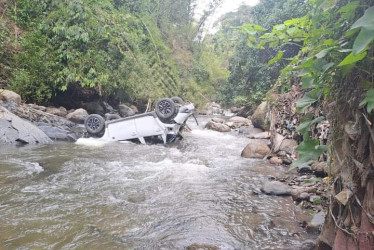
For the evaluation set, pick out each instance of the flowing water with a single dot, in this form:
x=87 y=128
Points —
x=190 y=194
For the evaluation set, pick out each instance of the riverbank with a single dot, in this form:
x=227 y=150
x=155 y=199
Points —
x=308 y=186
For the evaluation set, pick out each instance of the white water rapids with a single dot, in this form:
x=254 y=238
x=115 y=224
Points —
x=194 y=193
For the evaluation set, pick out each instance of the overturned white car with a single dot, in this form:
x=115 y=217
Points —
x=164 y=123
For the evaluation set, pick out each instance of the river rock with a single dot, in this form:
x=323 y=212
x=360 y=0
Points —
x=317 y=221
x=61 y=111
x=261 y=116
x=93 y=107
x=37 y=107
x=275 y=160
x=288 y=145
x=262 y=135
x=56 y=133
x=15 y=130
x=277 y=142
x=77 y=116
x=305 y=245
x=231 y=125
x=245 y=112
x=240 y=121
x=320 y=169
x=218 y=120
x=256 y=149
x=276 y=188
x=250 y=130
x=287 y=161
x=235 y=109
x=213 y=108
x=108 y=108
x=217 y=127
x=10 y=96
x=298 y=193
x=125 y=111
x=134 y=108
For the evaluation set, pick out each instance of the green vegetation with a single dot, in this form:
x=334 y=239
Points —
x=336 y=54
x=126 y=50
x=251 y=73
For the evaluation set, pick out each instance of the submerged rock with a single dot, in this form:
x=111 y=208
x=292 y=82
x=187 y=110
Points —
x=217 y=127
x=276 y=188
x=15 y=130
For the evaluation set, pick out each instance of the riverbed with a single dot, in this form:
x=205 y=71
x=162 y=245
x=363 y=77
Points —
x=194 y=193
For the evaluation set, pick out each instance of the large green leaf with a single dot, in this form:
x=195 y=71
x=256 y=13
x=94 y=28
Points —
x=366 y=21
x=305 y=125
x=352 y=58
x=276 y=58
x=349 y=7
x=362 y=40
x=308 y=150
x=369 y=100
x=323 y=53
x=307 y=100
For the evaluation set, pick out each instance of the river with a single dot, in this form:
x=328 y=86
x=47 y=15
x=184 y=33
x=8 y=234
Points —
x=190 y=194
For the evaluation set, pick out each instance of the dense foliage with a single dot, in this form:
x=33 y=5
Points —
x=126 y=50
x=251 y=76
x=335 y=62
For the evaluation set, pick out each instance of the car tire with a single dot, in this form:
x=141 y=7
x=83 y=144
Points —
x=94 y=124
x=165 y=108
x=177 y=99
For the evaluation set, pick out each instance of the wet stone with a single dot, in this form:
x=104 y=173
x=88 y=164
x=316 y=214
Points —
x=276 y=188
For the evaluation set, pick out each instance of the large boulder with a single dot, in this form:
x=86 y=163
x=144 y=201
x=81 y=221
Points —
x=10 y=96
x=14 y=130
x=261 y=116
x=125 y=111
x=256 y=149
x=217 y=127
x=93 y=107
x=77 y=116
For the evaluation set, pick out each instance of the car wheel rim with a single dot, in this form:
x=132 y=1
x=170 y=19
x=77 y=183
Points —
x=164 y=107
x=93 y=123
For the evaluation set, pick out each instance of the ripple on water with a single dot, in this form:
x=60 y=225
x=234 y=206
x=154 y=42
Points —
x=194 y=193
